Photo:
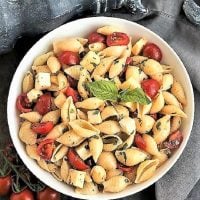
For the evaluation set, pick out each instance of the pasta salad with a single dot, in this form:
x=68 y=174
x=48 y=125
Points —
x=102 y=112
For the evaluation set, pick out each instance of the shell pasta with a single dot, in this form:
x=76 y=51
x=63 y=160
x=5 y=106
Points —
x=101 y=111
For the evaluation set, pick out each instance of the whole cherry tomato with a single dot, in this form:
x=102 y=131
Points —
x=23 y=104
x=75 y=161
x=44 y=104
x=95 y=37
x=48 y=194
x=124 y=168
x=73 y=93
x=151 y=87
x=129 y=61
x=23 y=195
x=174 y=140
x=139 y=141
x=117 y=38
x=69 y=58
x=5 y=185
x=45 y=149
x=42 y=127
x=151 y=50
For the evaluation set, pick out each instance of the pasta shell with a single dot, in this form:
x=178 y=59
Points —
x=90 y=61
x=144 y=124
x=94 y=117
x=161 y=129
x=47 y=167
x=178 y=92
x=108 y=112
x=70 y=139
x=109 y=127
x=175 y=123
x=57 y=174
x=59 y=152
x=143 y=109
x=127 y=143
x=170 y=99
x=60 y=100
x=151 y=146
x=41 y=68
x=113 y=172
x=139 y=59
x=26 y=134
x=117 y=82
x=90 y=103
x=115 y=51
x=161 y=157
x=98 y=174
x=132 y=106
x=83 y=128
x=96 y=146
x=122 y=111
x=127 y=52
x=107 y=30
x=103 y=66
x=107 y=160
x=68 y=110
x=64 y=170
x=116 y=184
x=31 y=150
x=62 y=81
x=158 y=77
x=97 y=46
x=167 y=68
x=28 y=82
x=83 y=41
x=173 y=111
x=167 y=81
x=57 y=131
x=53 y=88
x=88 y=189
x=53 y=64
x=73 y=71
x=81 y=115
x=130 y=157
x=132 y=174
x=88 y=178
x=31 y=116
x=54 y=79
x=111 y=142
x=83 y=150
x=117 y=67
x=52 y=116
x=131 y=83
x=42 y=59
x=138 y=46
x=136 y=73
x=146 y=170
x=128 y=125
x=157 y=103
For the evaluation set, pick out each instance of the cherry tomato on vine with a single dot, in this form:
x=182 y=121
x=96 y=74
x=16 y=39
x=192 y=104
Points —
x=69 y=58
x=151 y=50
x=73 y=93
x=150 y=87
x=23 y=195
x=96 y=37
x=117 y=38
x=139 y=141
x=23 y=104
x=5 y=185
x=48 y=194
x=42 y=127
x=45 y=149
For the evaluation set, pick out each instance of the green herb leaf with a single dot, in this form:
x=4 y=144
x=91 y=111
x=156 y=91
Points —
x=105 y=90
x=136 y=95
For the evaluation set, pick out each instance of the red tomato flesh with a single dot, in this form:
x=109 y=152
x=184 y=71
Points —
x=23 y=104
x=150 y=87
x=129 y=61
x=69 y=58
x=43 y=127
x=139 y=141
x=73 y=93
x=117 y=38
x=96 y=37
x=151 y=50
x=75 y=161
x=45 y=149
x=175 y=140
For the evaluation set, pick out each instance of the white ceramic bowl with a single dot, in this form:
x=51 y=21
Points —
x=83 y=27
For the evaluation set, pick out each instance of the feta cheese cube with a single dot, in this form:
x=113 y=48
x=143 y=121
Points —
x=94 y=116
x=76 y=178
x=33 y=95
x=42 y=81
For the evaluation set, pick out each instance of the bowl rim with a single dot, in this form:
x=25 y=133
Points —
x=114 y=195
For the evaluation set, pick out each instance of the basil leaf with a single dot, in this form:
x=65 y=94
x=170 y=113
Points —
x=105 y=90
x=136 y=95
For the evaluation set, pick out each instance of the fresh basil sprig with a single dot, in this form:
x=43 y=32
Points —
x=107 y=90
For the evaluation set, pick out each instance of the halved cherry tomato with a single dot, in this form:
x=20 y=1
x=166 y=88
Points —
x=43 y=104
x=151 y=50
x=23 y=104
x=42 y=127
x=124 y=168
x=151 y=87
x=73 y=93
x=174 y=140
x=96 y=37
x=48 y=194
x=45 y=149
x=5 y=185
x=23 y=195
x=117 y=38
x=75 y=161
x=129 y=61
x=139 y=141
x=69 y=58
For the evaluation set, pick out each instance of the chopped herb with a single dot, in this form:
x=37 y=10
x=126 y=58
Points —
x=95 y=137
x=115 y=62
x=124 y=155
x=126 y=180
x=140 y=71
x=71 y=111
x=158 y=126
x=94 y=64
x=125 y=146
x=96 y=112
